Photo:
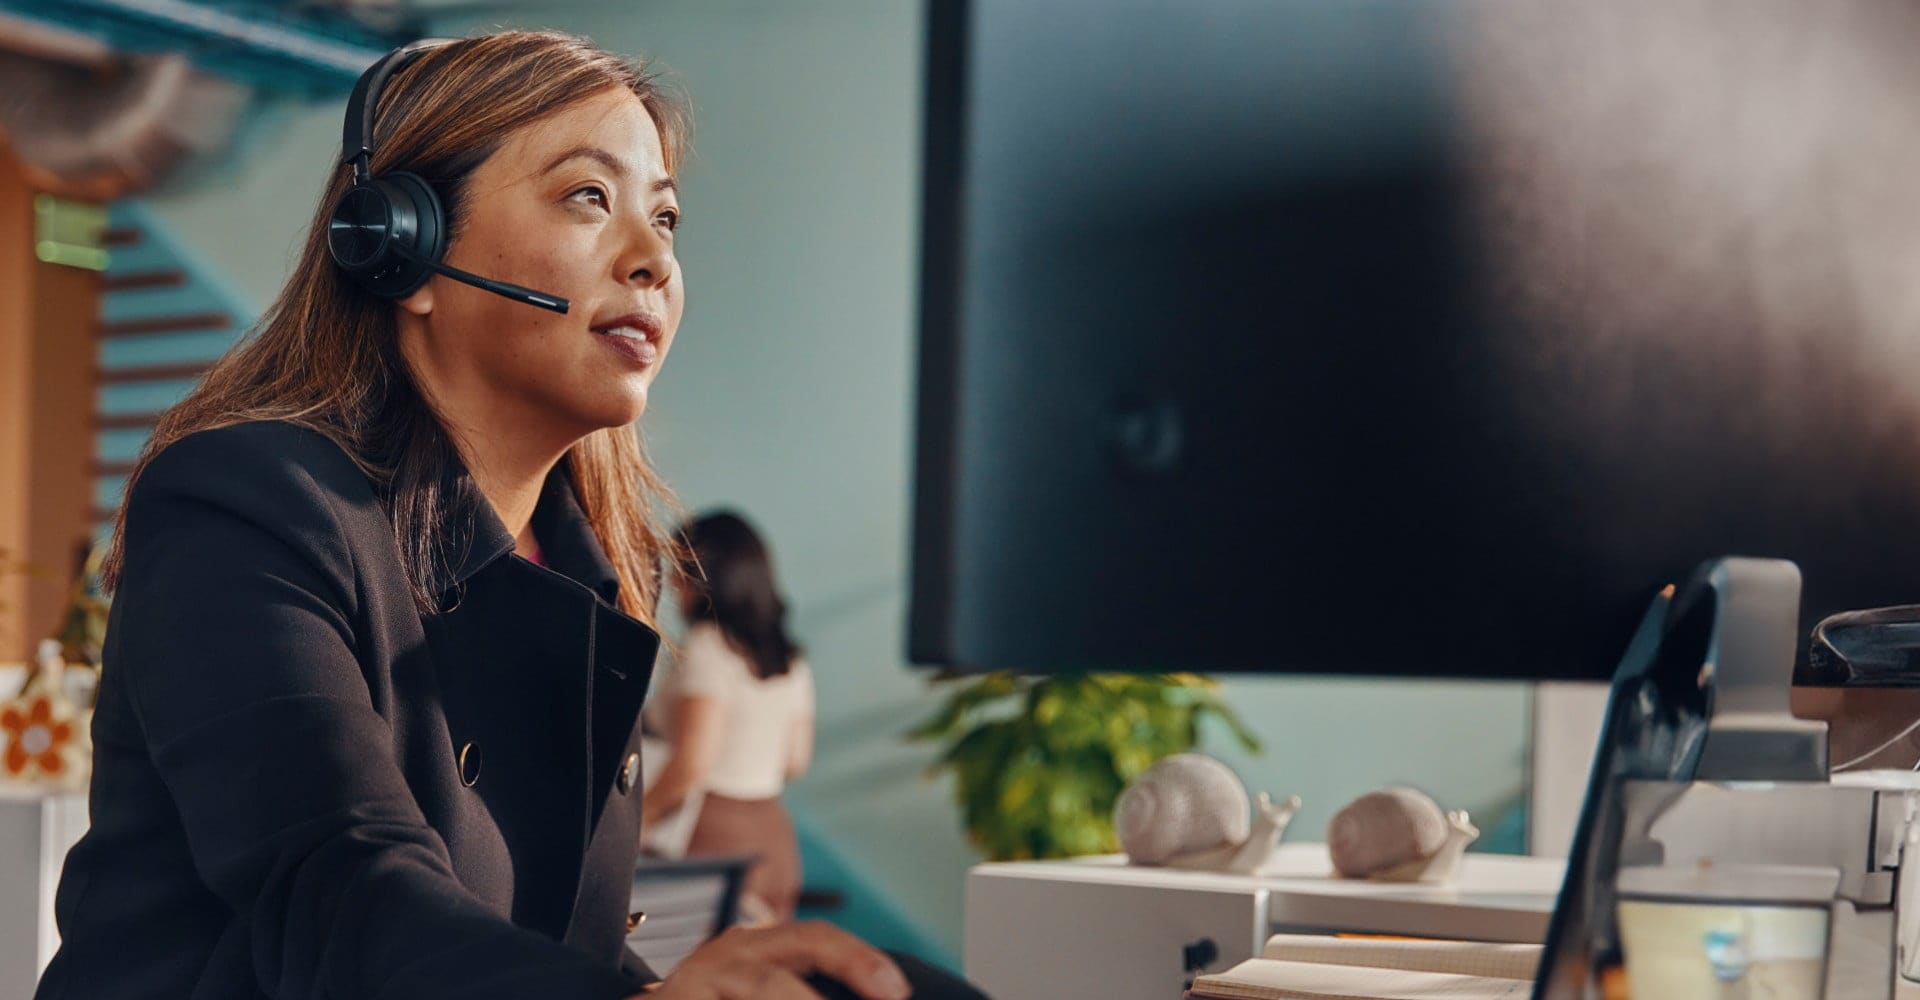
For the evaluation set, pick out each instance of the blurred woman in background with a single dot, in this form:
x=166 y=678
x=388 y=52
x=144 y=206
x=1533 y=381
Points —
x=737 y=708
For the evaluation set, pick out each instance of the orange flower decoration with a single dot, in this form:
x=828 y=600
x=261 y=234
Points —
x=36 y=741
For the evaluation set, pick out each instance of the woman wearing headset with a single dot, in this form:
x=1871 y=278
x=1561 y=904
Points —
x=387 y=579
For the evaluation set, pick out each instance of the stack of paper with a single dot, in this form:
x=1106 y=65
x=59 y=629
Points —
x=1299 y=967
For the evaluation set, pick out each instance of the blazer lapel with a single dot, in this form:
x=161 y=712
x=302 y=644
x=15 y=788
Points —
x=547 y=677
x=511 y=655
x=622 y=649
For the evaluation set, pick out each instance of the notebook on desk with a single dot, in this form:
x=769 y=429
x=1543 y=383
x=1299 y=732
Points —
x=1305 y=967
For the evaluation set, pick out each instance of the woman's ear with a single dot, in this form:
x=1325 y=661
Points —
x=420 y=303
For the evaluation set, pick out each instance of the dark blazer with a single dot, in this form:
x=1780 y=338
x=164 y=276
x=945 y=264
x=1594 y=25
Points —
x=303 y=787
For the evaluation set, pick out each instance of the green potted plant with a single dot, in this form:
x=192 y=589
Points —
x=1038 y=761
x=83 y=626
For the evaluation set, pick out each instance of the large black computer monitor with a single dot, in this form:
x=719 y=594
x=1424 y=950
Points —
x=1406 y=338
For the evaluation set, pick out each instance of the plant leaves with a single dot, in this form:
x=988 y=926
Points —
x=1039 y=762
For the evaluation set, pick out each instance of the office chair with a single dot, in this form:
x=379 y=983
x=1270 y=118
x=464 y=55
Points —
x=686 y=901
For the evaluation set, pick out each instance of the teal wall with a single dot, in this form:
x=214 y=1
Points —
x=201 y=294
x=789 y=394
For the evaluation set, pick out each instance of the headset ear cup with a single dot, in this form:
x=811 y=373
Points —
x=375 y=221
x=425 y=235
x=358 y=230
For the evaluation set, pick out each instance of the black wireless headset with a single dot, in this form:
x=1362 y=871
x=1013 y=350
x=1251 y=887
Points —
x=389 y=232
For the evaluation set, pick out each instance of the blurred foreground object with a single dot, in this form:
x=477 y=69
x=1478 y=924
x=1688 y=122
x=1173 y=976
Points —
x=94 y=123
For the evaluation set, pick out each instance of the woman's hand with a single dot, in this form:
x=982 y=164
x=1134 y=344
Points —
x=771 y=963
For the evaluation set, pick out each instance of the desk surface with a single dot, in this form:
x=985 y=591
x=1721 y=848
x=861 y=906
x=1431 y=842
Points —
x=1495 y=898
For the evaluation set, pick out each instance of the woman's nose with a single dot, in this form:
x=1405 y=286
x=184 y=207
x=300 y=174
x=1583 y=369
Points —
x=648 y=260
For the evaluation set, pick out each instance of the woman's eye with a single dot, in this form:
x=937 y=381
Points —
x=671 y=218
x=592 y=195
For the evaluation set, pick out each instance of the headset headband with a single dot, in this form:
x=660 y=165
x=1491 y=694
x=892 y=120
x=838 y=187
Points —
x=388 y=232
x=356 y=145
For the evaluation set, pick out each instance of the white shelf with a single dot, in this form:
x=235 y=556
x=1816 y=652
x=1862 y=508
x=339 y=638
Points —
x=1101 y=929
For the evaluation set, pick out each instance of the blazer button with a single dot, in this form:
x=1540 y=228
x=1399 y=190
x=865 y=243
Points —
x=634 y=920
x=469 y=764
x=629 y=774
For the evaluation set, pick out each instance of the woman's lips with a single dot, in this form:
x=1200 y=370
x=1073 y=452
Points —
x=635 y=336
x=632 y=343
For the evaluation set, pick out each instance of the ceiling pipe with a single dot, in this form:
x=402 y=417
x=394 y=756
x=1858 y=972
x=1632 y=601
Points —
x=264 y=36
x=44 y=41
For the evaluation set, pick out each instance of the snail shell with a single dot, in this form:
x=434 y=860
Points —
x=1185 y=803
x=1381 y=830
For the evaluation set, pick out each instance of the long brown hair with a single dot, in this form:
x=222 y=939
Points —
x=728 y=573
x=326 y=356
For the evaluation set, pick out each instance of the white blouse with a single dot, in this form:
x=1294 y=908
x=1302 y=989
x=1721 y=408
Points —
x=759 y=716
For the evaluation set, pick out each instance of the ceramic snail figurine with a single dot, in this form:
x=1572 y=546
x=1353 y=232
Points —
x=1398 y=835
x=1190 y=811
